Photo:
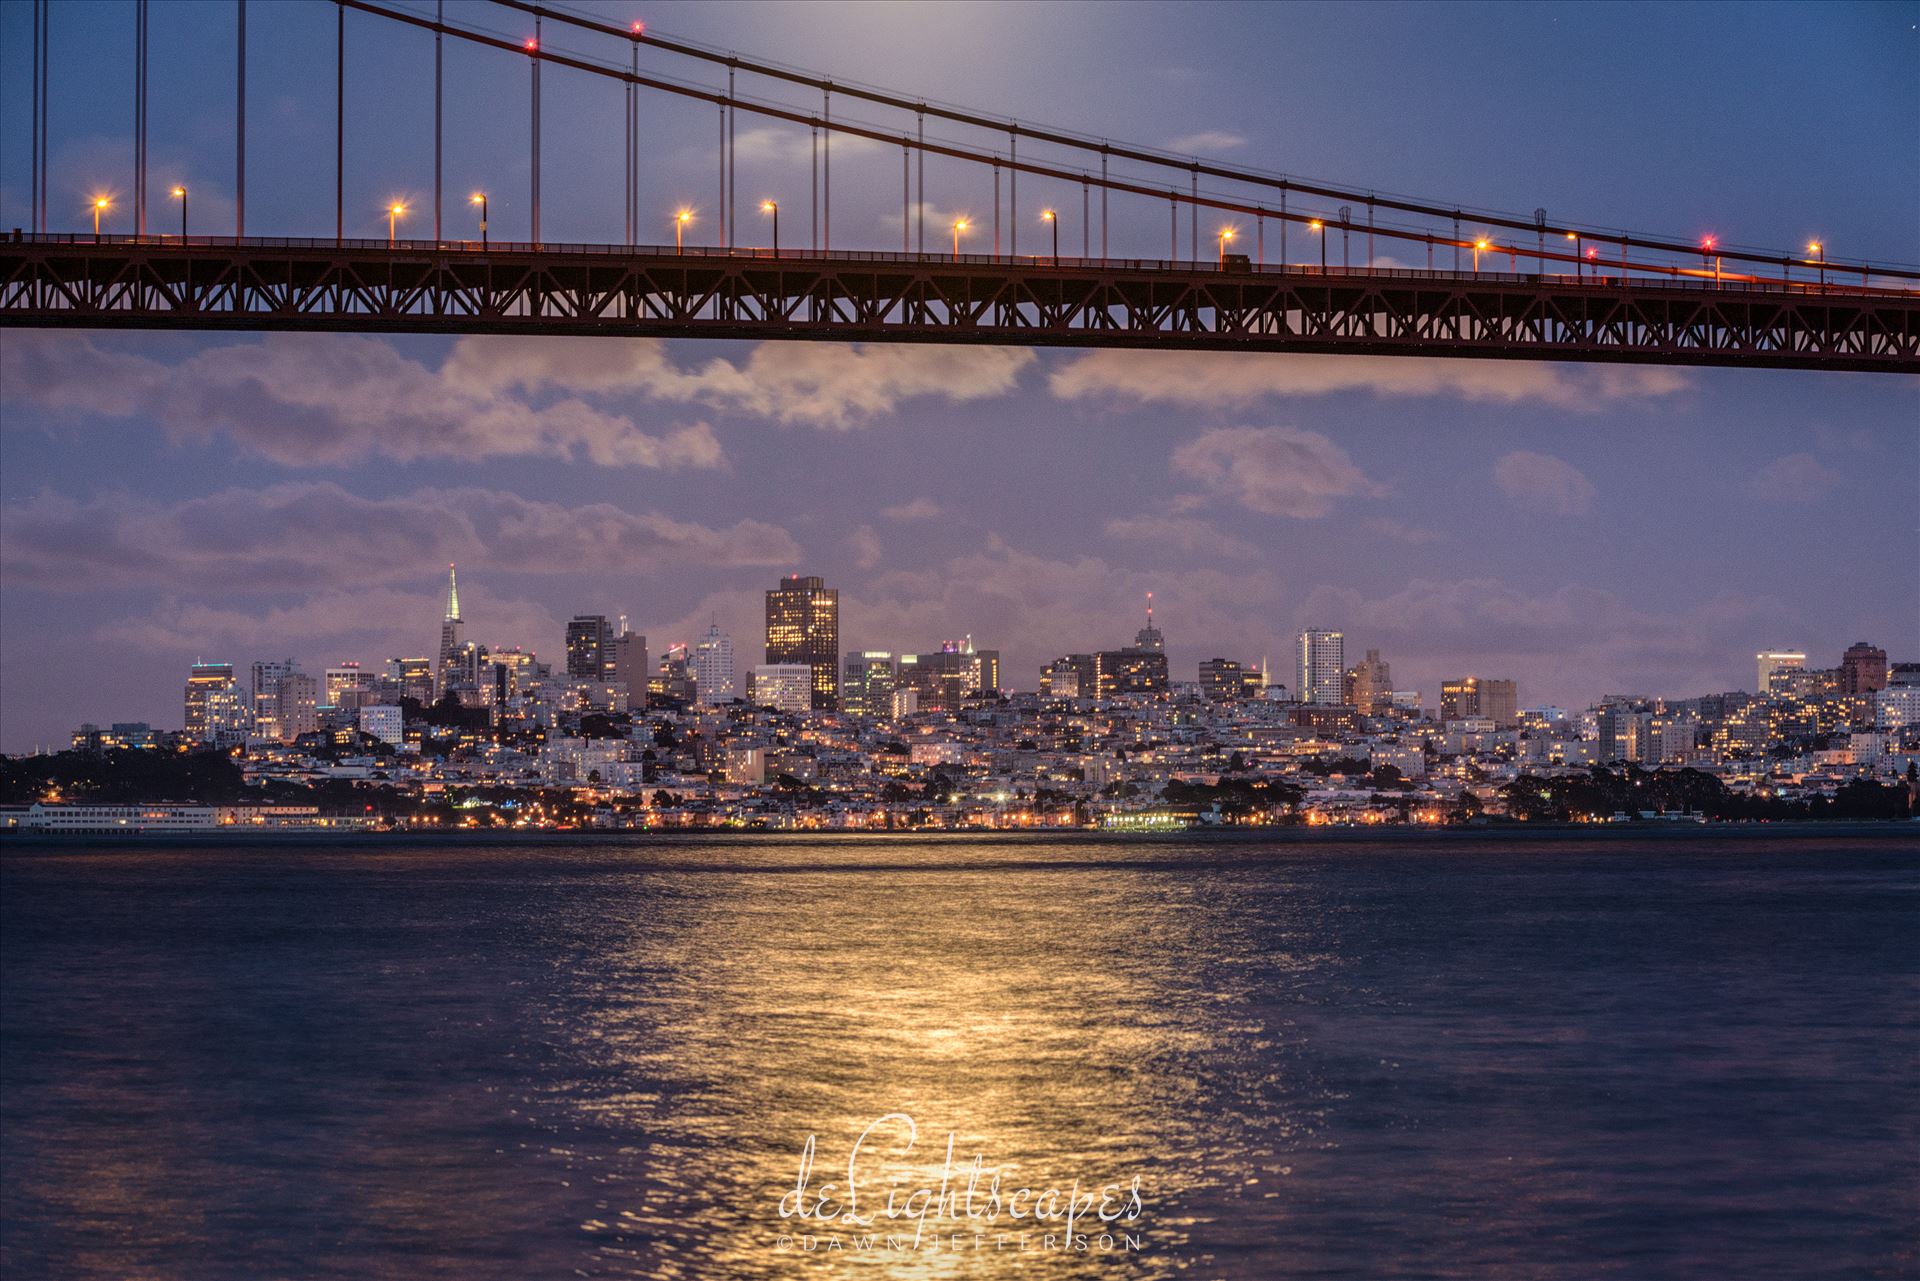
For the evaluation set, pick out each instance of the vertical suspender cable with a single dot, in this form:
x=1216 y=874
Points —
x=33 y=183
x=813 y=189
x=439 y=18
x=922 y=154
x=1103 y=201
x=733 y=174
x=626 y=185
x=1013 y=193
x=1194 y=219
x=340 y=130
x=140 y=118
x=722 y=153
x=906 y=197
x=536 y=128
x=996 y=207
x=1086 y=227
x=633 y=168
x=240 y=125
x=826 y=171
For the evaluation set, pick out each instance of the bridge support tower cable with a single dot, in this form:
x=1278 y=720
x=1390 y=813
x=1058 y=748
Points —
x=826 y=170
x=536 y=51
x=440 y=18
x=240 y=121
x=340 y=128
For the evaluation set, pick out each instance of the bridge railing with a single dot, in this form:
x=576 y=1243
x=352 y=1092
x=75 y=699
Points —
x=1602 y=276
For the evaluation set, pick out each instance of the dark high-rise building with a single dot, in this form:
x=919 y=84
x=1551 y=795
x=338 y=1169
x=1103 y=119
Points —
x=1129 y=671
x=630 y=668
x=943 y=681
x=1069 y=677
x=1368 y=685
x=590 y=653
x=1469 y=698
x=1222 y=680
x=803 y=626
x=1863 y=669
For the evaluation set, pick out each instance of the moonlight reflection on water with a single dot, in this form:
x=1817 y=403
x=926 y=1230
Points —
x=1455 y=1057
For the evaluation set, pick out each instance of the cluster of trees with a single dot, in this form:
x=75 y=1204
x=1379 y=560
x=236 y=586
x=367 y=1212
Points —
x=1233 y=795
x=209 y=777
x=1602 y=792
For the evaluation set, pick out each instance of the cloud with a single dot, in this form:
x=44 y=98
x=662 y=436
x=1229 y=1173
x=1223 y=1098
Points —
x=1281 y=471
x=793 y=145
x=1205 y=141
x=1180 y=533
x=329 y=399
x=1034 y=607
x=308 y=536
x=868 y=550
x=1400 y=531
x=1222 y=379
x=913 y=509
x=831 y=385
x=1794 y=478
x=1569 y=644
x=369 y=622
x=1543 y=483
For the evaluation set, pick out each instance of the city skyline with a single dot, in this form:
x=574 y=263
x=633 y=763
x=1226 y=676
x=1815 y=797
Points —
x=608 y=668
x=1581 y=530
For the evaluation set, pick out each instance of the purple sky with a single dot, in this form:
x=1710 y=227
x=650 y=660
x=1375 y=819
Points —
x=1584 y=530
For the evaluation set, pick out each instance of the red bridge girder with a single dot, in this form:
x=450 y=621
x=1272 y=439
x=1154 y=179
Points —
x=461 y=287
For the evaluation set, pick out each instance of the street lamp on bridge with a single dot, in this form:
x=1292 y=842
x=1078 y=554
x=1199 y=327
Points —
x=1706 y=251
x=1814 y=247
x=480 y=198
x=100 y=205
x=1052 y=219
x=1226 y=234
x=180 y=194
x=1478 y=245
x=681 y=219
x=1320 y=229
x=395 y=212
x=959 y=225
x=773 y=207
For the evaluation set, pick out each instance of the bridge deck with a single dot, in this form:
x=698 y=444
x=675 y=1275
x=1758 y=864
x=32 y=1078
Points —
x=465 y=287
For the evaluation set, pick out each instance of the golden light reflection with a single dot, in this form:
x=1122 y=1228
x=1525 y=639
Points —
x=1052 y=1033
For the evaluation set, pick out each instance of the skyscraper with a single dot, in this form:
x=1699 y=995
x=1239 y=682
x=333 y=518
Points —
x=713 y=667
x=1369 y=684
x=1863 y=669
x=215 y=710
x=265 y=692
x=785 y=687
x=1149 y=637
x=1320 y=665
x=1769 y=662
x=867 y=684
x=413 y=676
x=298 y=706
x=451 y=638
x=630 y=668
x=590 y=648
x=1469 y=698
x=803 y=626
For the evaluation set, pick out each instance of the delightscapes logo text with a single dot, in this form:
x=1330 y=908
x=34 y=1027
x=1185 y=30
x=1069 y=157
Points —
x=888 y=1200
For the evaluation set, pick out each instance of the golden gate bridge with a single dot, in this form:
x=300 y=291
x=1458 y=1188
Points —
x=1492 y=284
